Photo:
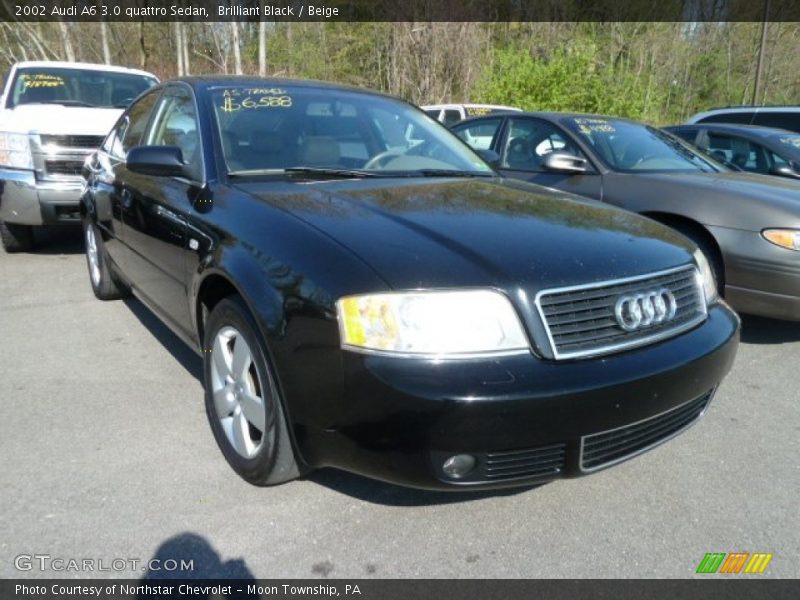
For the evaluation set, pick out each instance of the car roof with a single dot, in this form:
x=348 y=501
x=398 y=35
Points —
x=56 y=64
x=553 y=116
x=205 y=82
x=742 y=109
x=753 y=130
x=468 y=105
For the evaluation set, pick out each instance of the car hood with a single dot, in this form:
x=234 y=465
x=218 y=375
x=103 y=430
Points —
x=737 y=200
x=455 y=232
x=56 y=119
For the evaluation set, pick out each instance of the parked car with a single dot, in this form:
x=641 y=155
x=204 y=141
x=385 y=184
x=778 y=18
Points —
x=750 y=148
x=397 y=311
x=747 y=225
x=780 y=117
x=452 y=113
x=52 y=116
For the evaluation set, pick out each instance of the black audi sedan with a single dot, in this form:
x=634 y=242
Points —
x=367 y=293
x=746 y=224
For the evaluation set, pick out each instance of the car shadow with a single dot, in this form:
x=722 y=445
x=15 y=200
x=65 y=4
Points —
x=58 y=239
x=187 y=358
x=387 y=494
x=760 y=330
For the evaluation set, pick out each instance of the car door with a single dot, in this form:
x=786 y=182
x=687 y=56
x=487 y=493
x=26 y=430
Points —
x=155 y=210
x=523 y=147
x=109 y=173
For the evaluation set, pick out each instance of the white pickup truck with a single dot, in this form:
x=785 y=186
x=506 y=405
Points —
x=52 y=115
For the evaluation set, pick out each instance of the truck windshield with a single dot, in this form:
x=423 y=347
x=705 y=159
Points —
x=77 y=87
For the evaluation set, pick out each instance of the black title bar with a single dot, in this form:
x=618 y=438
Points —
x=134 y=11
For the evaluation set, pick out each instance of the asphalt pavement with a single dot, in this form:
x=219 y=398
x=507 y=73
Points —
x=107 y=454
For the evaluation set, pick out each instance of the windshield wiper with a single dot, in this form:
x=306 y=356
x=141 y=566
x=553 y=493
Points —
x=448 y=173
x=329 y=172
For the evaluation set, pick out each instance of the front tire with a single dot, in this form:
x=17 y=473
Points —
x=104 y=285
x=15 y=237
x=242 y=399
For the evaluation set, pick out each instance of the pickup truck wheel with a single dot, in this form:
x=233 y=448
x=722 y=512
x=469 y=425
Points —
x=242 y=399
x=16 y=238
x=104 y=286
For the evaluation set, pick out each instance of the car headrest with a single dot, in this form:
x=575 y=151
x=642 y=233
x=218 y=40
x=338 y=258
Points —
x=266 y=142
x=319 y=151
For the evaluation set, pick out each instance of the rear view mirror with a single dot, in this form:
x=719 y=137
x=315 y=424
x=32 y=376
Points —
x=490 y=156
x=161 y=161
x=564 y=162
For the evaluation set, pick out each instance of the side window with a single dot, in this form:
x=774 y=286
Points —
x=742 y=153
x=739 y=117
x=176 y=125
x=139 y=116
x=479 y=135
x=113 y=143
x=529 y=141
x=433 y=113
x=451 y=116
x=781 y=120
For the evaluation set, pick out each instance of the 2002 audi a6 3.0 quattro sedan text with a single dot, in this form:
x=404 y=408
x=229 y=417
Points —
x=367 y=293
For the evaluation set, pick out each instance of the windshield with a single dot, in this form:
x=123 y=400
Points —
x=789 y=141
x=633 y=147
x=77 y=87
x=274 y=129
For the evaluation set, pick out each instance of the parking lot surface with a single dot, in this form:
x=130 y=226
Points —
x=107 y=454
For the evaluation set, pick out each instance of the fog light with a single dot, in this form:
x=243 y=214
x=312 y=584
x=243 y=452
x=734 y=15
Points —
x=459 y=465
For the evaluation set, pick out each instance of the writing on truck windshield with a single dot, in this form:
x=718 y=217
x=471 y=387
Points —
x=77 y=87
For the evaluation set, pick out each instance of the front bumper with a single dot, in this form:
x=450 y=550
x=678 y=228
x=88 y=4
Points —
x=760 y=278
x=402 y=418
x=26 y=201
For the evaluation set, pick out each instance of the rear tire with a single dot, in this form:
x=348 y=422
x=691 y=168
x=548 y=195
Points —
x=243 y=402
x=15 y=237
x=101 y=277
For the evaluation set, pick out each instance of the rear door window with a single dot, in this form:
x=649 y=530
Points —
x=740 y=117
x=781 y=120
x=479 y=136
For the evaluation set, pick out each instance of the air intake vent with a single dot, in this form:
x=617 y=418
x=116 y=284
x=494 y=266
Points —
x=611 y=316
x=545 y=461
x=603 y=449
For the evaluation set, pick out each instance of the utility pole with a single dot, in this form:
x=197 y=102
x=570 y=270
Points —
x=761 y=49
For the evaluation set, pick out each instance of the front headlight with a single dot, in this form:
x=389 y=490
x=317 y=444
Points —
x=706 y=276
x=460 y=323
x=785 y=238
x=15 y=151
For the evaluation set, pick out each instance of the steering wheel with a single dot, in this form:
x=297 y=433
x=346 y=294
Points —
x=381 y=158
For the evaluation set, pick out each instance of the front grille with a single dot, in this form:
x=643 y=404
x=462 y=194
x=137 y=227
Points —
x=580 y=320
x=73 y=141
x=63 y=167
x=606 y=448
x=545 y=461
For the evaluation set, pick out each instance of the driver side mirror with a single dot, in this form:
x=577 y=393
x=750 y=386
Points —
x=160 y=161
x=490 y=156
x=784 y=171
x=564 y=162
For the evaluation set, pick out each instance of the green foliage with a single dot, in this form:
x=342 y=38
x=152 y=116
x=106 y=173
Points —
x=572 y=78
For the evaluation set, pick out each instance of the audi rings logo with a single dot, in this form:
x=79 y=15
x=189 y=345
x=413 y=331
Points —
x=637 y=311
